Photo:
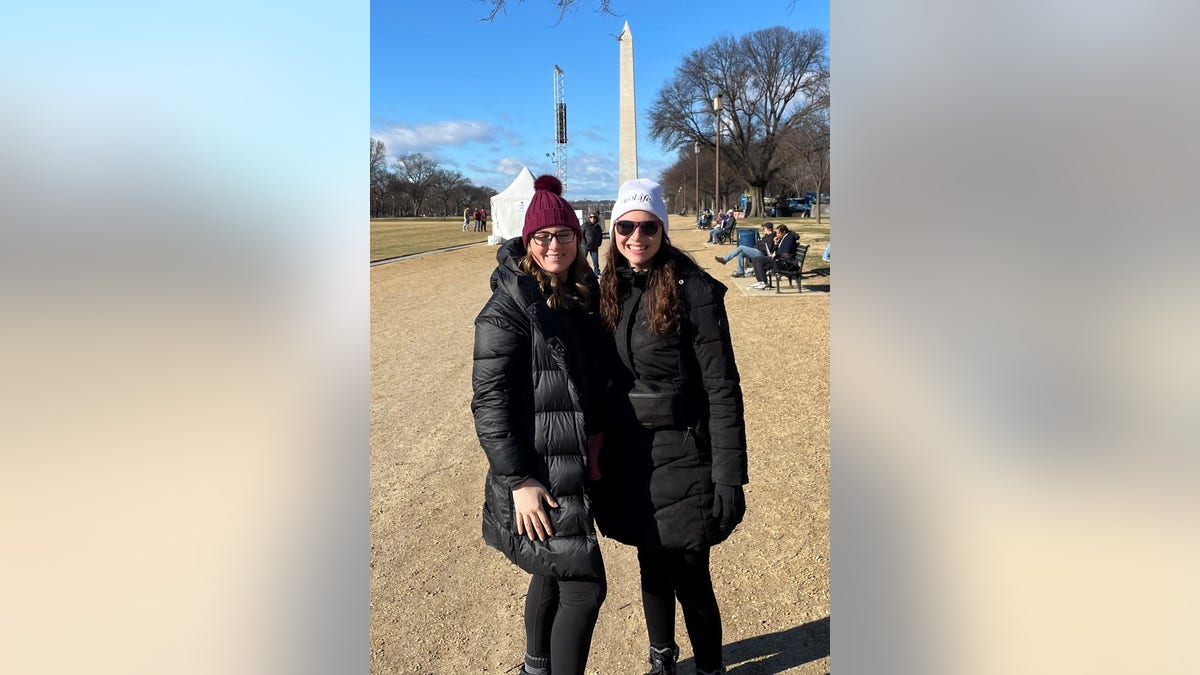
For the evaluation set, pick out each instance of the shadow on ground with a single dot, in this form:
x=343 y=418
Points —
x=808 y=288
x=775 y=652
x=821 y=288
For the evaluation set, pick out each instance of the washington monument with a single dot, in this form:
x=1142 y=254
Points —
x=628 y=124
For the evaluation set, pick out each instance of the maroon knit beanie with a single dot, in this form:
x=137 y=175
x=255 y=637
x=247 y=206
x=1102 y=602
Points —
x=549 y=209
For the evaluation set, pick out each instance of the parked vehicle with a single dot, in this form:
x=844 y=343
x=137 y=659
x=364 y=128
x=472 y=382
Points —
x=801 y=206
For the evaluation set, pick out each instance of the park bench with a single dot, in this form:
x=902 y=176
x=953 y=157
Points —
x=792 y=268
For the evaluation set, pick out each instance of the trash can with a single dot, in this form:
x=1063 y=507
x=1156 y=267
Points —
x=747 y=237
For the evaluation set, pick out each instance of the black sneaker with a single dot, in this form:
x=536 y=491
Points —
x=720 y=259
x=662 y=661
x=738 y=275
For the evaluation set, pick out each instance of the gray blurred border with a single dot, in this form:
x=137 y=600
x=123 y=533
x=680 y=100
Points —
x=183 y=281
x=1014 y=394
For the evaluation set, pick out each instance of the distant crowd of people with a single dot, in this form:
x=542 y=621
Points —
x=723 y=231
x=478 y=217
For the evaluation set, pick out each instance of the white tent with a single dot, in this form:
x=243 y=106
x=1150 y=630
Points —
x=508 y=208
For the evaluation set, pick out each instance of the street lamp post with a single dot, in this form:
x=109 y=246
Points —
x=717 y=180
x=697 y=149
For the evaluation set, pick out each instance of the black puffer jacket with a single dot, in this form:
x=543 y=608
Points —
x=676 y=419
x=537 y=396
x=593 y=234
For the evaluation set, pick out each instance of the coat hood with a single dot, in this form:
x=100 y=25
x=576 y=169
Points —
x=509 y=276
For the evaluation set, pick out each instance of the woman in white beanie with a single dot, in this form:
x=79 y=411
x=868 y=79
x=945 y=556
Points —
x=674 y=458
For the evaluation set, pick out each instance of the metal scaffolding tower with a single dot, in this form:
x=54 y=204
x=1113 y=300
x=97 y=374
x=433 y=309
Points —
x=560 y=128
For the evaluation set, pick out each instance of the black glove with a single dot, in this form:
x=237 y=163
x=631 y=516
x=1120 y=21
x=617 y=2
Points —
x=729 y=505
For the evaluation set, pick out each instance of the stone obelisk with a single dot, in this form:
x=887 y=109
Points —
x=628 y=124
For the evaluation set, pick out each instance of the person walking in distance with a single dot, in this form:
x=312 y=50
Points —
x=538 y=402
x=674 y=458
x=592 y=236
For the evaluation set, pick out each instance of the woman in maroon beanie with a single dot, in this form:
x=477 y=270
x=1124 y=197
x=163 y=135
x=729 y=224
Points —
x=537 y=406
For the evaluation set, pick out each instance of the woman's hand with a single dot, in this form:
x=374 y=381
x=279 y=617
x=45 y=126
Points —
x=531 y=515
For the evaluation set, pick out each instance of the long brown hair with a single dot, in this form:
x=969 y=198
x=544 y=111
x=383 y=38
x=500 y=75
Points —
x=570 y=294
x=662 y=288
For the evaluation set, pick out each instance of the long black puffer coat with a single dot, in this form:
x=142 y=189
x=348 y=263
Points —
x=537 y=396
x=676 y=422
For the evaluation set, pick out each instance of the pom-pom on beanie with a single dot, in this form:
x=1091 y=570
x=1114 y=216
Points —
x=640 y=194
x=549 y=209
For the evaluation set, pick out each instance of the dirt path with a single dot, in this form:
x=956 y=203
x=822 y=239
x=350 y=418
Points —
x=443 y=602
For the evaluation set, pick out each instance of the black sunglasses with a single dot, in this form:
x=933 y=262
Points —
x=626 y=227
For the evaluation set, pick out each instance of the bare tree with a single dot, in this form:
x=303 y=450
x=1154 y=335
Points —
x=418 y=171
x=480 y=197
x=814 y=156
x=378 y=174
x=805 y=150
x=459 y=198
x=500 y=7
x=378 y=157
x=770 y=80
x=681 y=179
x=602 y=6
x=446 y=188
x=412 y=180
x=395 y=197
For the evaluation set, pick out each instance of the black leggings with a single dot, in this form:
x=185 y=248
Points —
x=560 y=615
x=667 y=575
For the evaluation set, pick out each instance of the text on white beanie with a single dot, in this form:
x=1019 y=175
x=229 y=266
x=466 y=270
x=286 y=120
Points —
x=639 y=194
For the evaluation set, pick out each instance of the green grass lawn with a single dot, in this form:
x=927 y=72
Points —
x=391 y=237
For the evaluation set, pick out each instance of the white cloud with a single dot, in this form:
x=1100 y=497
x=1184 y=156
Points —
x=429 y=136
x=508 y=166
x=592 y=176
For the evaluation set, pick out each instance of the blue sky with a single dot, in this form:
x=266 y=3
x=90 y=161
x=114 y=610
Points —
x=479 y=96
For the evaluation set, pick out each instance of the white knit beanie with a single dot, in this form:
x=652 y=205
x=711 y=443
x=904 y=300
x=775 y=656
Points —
x=639 y=194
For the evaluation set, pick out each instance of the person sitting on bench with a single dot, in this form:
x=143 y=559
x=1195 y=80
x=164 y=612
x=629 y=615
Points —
x=725 y=231
x=785 y=249
x=765 y=246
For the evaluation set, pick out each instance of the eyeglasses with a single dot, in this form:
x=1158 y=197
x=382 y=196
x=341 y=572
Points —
x=543 y=238
x=626 y=227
